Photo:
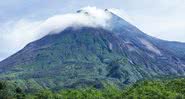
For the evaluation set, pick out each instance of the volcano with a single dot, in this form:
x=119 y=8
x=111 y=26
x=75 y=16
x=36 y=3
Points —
x=120 y=54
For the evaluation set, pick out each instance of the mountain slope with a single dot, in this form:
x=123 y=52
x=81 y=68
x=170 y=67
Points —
x=92 y=56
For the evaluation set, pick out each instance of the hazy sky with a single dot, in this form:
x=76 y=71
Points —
x=164 y=19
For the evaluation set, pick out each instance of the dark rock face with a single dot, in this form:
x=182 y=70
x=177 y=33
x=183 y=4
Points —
x=93 y=56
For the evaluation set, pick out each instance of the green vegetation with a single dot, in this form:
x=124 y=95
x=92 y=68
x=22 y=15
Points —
x=153 y=89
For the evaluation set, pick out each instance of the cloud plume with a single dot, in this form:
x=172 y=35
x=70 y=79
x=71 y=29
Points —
x=88 y=16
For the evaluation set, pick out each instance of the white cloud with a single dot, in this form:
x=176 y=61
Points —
x=89 y=16
x=15 y=35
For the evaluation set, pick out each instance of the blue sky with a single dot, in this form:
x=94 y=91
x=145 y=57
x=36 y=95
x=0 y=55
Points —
x=164 y=19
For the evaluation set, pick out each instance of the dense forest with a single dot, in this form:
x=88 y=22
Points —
x=153 y=89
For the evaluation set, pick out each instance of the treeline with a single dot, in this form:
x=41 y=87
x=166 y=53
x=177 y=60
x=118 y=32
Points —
x=158 y=89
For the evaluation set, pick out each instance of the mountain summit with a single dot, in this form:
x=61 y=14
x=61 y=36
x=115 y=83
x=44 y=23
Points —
x=118 y=54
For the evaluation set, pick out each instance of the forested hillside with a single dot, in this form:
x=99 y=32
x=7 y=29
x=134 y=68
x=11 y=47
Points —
x=155 y=89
